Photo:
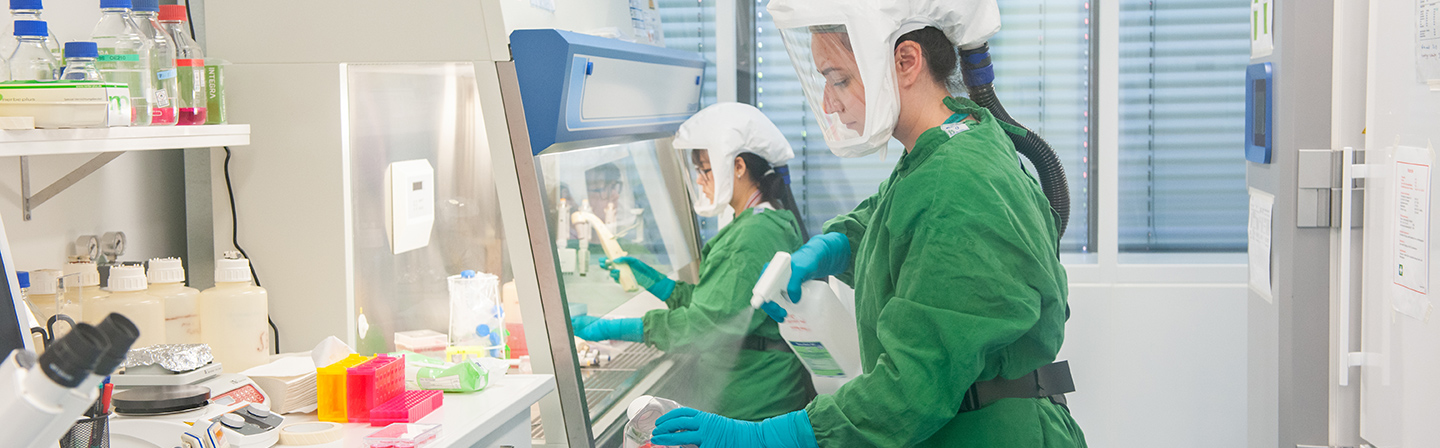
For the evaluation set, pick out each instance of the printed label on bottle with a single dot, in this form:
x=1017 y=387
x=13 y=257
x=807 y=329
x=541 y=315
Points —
x=818 y=359
x=162 y=99
x=451 y=382
x=119 y=58
x=165 y=74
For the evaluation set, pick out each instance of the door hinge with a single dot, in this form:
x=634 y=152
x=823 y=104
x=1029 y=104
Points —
x=1319 y=187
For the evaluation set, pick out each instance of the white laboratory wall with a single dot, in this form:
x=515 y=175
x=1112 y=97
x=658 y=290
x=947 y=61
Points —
x=583 y=16
x=140 y=193
x=1158 y=364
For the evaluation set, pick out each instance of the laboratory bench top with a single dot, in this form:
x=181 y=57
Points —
x=499 y=414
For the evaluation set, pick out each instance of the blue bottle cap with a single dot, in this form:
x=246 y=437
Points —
x=482 y=330
x=114 y=4
x=24 y=278
x=81 y=50
x=31 y=28
x=25 y=4
x=467 y=274
x=146 y=5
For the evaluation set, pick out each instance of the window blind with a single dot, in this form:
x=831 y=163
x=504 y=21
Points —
x=690 y=25
x=1182 y=169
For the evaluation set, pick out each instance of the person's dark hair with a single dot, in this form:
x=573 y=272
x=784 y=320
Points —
x=773 y=188
x=941 y=56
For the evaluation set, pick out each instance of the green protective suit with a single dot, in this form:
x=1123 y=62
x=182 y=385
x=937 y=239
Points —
x=713 y=318
x=957 y=280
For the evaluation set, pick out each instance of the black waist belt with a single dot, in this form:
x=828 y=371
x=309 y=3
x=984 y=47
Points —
x=1052 y=381
x=761 y=344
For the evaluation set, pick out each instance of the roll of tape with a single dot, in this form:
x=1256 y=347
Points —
x=310 y=433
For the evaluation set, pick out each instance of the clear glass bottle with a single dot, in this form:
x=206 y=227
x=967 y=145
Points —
x=25 y=10
x=80 y=62
x=31 y=60
x=162 y=62
x=125 y=56
x=81 y=280
x=189 y=63
x=45 y=299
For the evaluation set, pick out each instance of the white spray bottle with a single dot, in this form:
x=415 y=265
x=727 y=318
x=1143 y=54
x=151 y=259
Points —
x=819 y=329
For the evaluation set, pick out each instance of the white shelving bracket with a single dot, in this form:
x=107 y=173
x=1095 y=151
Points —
x=29 y=202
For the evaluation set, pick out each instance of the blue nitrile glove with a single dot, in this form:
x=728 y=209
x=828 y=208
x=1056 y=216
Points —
x=822 y=256
x=582 y=321
x=648 y=278
x=687 y=426
x=631 y=329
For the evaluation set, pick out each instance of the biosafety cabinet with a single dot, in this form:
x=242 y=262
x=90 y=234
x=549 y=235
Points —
x=392 y=149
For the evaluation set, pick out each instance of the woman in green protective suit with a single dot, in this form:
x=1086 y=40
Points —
x=744 y=369
x=954 y=260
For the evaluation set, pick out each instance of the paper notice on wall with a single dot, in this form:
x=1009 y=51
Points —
x=1411 y=234
x=1262 y=27
x=1261 y=206
x=1427 y=42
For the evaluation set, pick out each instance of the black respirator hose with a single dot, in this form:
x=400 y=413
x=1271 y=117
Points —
x=979 y=78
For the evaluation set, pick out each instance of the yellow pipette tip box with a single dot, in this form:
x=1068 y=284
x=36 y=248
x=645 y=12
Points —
x=330 y=388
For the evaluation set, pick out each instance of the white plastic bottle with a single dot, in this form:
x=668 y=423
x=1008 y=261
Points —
x=25 y=10
x=642 y=413
x=129 y=297
x=80 y=62
x=44 y=297
x=819 y=329
x=182 y=317
x=31 y=60
x=81 y=281
x=162 y=63
x=125 y=56
x=234 y=316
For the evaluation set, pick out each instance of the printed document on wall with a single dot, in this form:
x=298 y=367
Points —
x=1427 y=42
x=1262 y=26
x=1261 y=206
x=1411 y=233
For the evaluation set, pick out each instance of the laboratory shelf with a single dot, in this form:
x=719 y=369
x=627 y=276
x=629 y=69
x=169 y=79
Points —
x=39 y=142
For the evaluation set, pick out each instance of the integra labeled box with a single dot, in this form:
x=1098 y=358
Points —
x=70 y=104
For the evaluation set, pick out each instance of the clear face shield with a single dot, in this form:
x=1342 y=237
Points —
x=710 y=186
x=829 y=73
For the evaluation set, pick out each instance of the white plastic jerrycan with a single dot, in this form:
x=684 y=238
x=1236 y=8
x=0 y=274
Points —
x=819 y=328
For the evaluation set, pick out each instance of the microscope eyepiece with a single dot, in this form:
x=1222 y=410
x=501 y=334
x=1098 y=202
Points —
x=69 y=360
x=121 y=333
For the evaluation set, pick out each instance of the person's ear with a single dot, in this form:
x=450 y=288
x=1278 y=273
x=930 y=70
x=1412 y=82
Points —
x=909 y=64
x=739 y=168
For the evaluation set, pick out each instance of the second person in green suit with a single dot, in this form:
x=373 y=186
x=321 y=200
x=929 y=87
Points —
x=744 y=370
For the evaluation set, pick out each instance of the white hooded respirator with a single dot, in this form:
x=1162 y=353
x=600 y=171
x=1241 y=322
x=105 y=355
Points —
x=844 y=54
x=720 y=133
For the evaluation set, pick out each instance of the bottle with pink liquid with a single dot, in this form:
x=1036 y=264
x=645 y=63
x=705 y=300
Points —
x=189 y=64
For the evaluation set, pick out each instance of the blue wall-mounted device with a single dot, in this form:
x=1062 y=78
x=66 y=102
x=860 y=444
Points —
x=582 y=91
x=1259 y=110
